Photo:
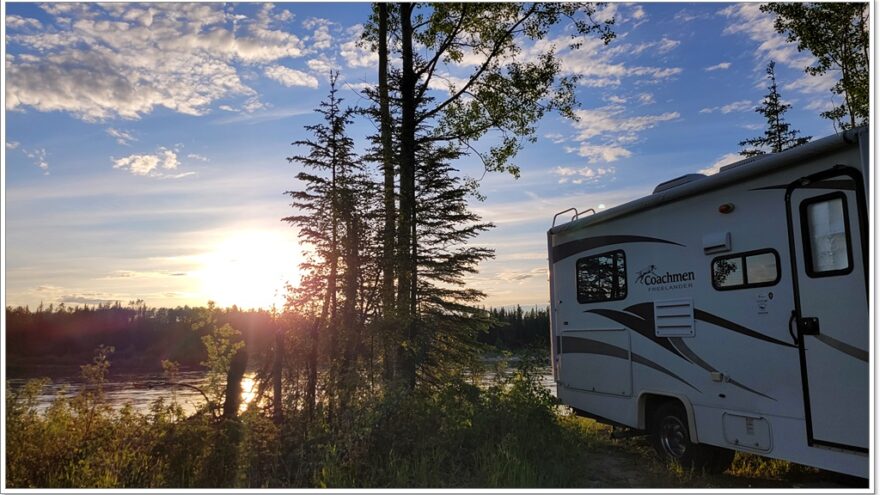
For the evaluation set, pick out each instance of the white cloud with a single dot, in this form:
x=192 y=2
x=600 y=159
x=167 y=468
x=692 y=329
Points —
x=195 y=156
x=290 y=77
x=736 y=106
x=638 y=13
x=601 y=66
x=39 y=157
x=322 y=65
x=609 y=120
x=666 y=45
x=581 y=175
x=613 y=130
x=446 y=82
x=358 y=86
x=101 y=61
x=355 y=55
x=595 y=153
x=267 y=115
x=720 y=66
x=12 y=145
x=684 y=15
x=321 y=37
x=726 y=159
x=123 y=137
x=18 y=22
x=646 y=98
x=621 y=13
x=813 y=84
x=747 y=18
x=253 y=104
x=555 y=137
x=147 y=164
x=820 y=104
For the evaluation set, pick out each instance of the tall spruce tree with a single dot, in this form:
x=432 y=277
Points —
x=837 y=34
x=446 y=226
x=503 y=93
x=331 y=229
x=778 y=135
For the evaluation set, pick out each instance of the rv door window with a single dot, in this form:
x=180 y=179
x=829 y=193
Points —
x=827 y=240
x=601 y=277
x=746 y=270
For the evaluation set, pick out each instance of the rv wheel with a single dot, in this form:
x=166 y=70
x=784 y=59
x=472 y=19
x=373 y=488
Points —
x=672 y=440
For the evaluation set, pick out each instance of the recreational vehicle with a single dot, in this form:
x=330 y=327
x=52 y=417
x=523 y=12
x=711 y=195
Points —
x=726 y=312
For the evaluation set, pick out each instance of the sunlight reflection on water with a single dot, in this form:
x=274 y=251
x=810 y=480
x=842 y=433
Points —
x=143 y=390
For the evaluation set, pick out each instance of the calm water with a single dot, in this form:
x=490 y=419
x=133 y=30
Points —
x=142 y=389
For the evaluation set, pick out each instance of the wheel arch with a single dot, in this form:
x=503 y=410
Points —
x=650 y=400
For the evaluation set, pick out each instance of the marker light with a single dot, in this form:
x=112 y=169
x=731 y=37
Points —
x=725 y=208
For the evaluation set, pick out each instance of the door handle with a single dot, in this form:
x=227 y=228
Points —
x=808 y=325
x=791 y=329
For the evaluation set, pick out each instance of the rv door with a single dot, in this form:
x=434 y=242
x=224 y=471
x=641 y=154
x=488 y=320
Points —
x=827 y=229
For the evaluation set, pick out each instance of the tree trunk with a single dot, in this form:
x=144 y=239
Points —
x=233 y=384
x=406 y=239
x=387 y=166
x=277 y=366
x=388 y=248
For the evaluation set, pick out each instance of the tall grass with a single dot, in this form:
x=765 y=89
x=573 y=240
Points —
x=504 y=434
x=510 y=433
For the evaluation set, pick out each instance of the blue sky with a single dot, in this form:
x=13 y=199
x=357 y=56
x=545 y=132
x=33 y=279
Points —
x=145 y=144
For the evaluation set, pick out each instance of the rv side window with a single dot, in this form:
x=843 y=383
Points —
x=601 y=277
x=745 y=270
x=826 y=235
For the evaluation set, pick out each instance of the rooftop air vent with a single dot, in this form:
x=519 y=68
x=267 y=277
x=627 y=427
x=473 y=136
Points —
x=684 y=179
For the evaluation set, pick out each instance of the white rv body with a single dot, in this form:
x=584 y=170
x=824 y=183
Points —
x=743 y=295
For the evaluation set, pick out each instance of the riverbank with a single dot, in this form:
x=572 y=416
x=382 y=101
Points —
x=509 y=433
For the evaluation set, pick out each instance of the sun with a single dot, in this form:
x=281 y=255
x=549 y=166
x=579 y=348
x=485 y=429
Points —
x=250 y=269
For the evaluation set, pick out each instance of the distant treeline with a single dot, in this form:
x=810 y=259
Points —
x=513 y=329
x=53 y=338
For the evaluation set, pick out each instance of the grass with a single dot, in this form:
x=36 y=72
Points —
x=510 y=433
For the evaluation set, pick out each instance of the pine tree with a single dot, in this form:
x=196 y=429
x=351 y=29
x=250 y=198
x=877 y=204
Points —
x=837 y=34
x=328 y=221
x=502 y=94
x=449 y=319
x=778 y=136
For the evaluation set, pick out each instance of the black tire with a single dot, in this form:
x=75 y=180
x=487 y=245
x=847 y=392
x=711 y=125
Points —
x=672 y=441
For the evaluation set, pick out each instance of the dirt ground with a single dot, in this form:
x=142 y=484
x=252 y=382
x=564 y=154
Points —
x=632 y=463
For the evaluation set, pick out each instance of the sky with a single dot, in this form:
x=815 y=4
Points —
x=146 y=144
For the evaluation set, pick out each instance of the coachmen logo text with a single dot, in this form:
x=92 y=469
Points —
x=656 y=282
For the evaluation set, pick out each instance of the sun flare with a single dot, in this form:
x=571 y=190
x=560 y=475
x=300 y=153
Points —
x=250 y=269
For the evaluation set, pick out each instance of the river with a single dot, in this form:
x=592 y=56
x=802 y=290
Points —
x=141 y=390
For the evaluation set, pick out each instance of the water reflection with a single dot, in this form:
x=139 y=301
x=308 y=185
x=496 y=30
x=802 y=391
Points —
x=143 y=390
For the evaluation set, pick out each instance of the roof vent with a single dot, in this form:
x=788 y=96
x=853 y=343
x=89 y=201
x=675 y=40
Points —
x=684 y=179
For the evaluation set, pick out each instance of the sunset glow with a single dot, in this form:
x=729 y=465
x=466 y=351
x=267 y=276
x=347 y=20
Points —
x=249 y=269
x=161 y=176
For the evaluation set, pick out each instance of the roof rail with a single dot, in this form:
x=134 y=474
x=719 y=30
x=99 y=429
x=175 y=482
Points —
x=574 y=217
